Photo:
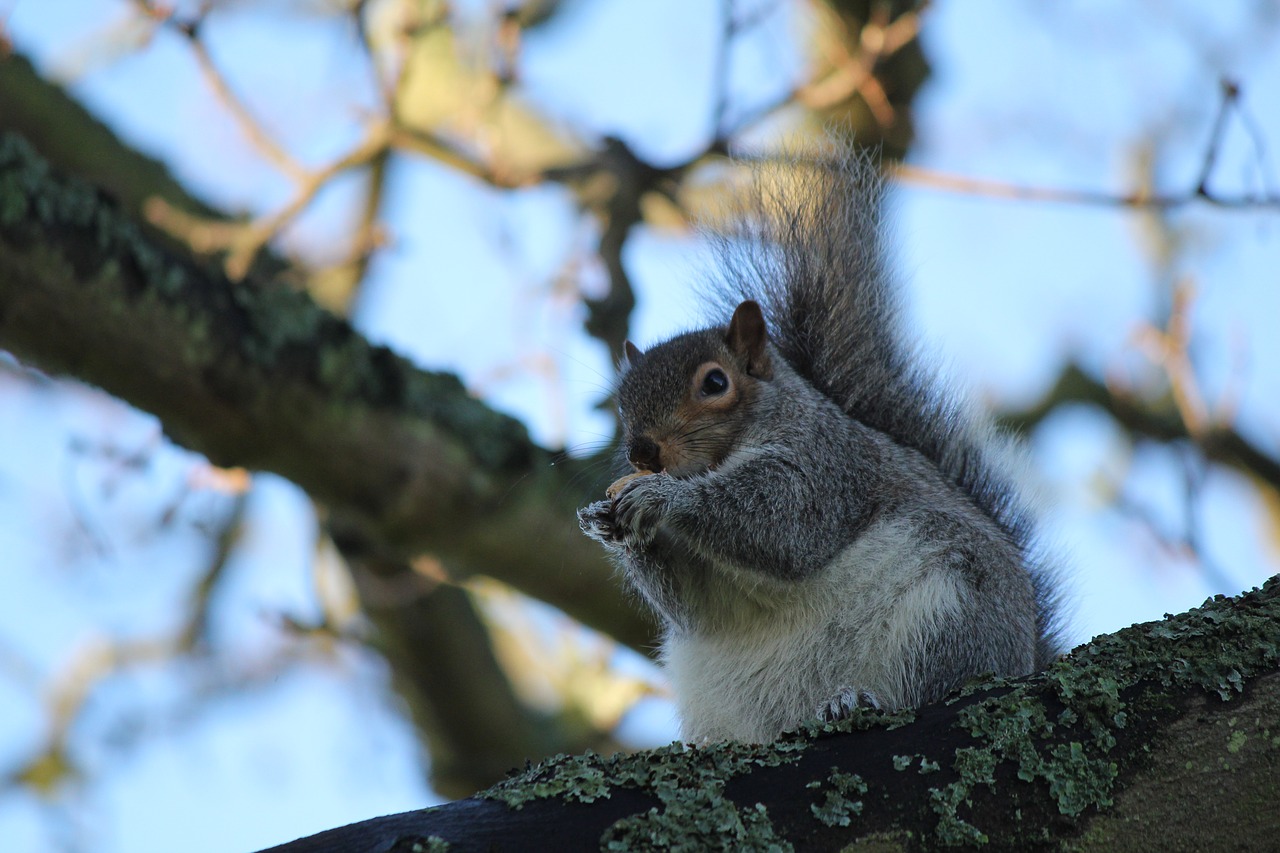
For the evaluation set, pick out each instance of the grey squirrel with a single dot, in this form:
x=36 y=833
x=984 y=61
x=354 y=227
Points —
x=817 y=522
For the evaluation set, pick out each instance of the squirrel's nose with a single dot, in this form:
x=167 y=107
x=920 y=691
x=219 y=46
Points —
x=645 y=454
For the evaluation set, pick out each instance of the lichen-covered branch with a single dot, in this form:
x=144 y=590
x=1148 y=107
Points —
x=78 y=144
x=1165 y=730
x=256 y=375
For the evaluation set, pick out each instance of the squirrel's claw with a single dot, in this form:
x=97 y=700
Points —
x=597 y=521
x=630 y=519
x=842 y=704
x=639 y=508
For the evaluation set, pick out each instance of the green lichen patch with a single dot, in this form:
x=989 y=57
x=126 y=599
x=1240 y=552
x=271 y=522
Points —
x=1236 y=742
x=841 y=798
x=570 y=778
x=32 y=199
x=698 y=821
x=1221 y=644
x=902 y=762
x=1062 y=730
x=951 y=829
x=689 y=784
x=858 y=720
x=694 y=813
x=1021 y=733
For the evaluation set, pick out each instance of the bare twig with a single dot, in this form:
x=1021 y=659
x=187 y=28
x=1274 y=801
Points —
x=854 y=71
x=204 y=235
x=1137 y=199
x=195 y=632
x=1230 y=94
x=1170 y=348
x=723 y=56
x=1020 y=192
x=250 y=241
x=1256 y=135
x=217 y=81
x=370 y=236
x=1195 y=470
x=440 y=150
x=253 y=129
x=245 y=240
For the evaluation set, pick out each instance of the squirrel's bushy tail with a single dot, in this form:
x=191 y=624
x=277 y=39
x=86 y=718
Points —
x=811 y=250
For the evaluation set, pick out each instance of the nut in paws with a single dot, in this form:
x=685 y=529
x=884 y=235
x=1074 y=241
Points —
x=641 y=506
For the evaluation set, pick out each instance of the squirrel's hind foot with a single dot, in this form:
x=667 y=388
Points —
x=842 y=704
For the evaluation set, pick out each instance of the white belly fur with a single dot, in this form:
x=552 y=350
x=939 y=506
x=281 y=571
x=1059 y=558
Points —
x=855 y=624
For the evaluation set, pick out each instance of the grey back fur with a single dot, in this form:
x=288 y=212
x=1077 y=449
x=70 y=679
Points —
x=811 y=250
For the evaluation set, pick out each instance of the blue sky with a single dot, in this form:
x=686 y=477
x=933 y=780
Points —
x=1000 y=291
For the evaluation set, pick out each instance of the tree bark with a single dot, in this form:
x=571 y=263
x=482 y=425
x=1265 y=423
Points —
x=1163 y=736
x=77 y=144
x=256 y=375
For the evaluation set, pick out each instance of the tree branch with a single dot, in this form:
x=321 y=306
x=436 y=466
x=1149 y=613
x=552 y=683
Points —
x=255 y=375
x=1164 y=728
x=79 y=145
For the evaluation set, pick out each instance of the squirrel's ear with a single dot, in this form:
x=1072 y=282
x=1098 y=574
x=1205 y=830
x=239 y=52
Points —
x=634 y=353
x=747 y=338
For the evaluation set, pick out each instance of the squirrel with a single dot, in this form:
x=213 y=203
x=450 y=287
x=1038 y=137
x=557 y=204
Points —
x=819 y=524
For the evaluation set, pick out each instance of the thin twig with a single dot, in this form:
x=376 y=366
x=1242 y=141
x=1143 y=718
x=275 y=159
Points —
x=855 y=72
x=205 y=236
x=1139 y=199
x=442 y=151
x=217 y=81
x=244 y=240
x=250 y=126
x=1230 y=92
x=1169 y=348
x=722 y=66
x=251 y=240
x=878 y=40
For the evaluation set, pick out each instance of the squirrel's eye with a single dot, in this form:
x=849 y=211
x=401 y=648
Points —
x=715 y=382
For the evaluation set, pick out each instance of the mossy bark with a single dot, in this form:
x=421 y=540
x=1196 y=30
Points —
x=254 y=374
x=1163 y=736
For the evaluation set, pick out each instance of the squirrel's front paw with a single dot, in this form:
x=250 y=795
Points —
x=597 y=521
x=641 y=505
x=842 y=704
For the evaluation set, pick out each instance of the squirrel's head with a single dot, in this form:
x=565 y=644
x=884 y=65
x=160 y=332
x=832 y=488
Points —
x=685 y=403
